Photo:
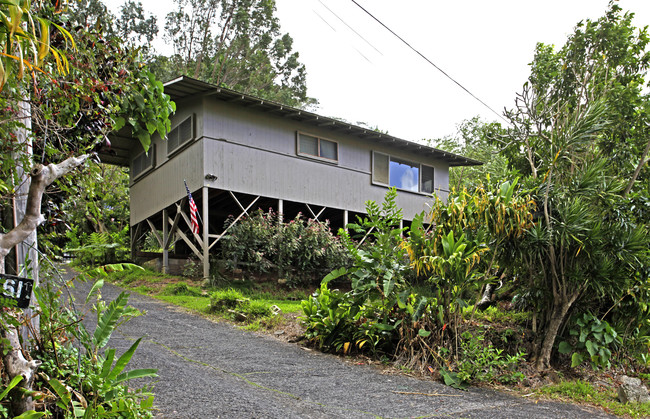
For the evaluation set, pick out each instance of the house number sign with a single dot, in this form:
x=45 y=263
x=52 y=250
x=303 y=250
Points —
x=17 y=288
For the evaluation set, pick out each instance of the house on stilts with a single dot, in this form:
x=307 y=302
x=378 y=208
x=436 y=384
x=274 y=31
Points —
x=238 y=153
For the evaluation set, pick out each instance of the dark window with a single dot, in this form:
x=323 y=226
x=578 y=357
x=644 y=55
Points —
x=142 y=162
x=426 y=180
x=180 y=135
x=309 y=145
x=380 y=168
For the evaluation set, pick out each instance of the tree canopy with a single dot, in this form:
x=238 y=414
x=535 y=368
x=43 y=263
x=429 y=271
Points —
x=237 y=44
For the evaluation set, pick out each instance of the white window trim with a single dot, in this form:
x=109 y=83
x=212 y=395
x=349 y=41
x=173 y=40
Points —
x=387 y=185
x=313 y=157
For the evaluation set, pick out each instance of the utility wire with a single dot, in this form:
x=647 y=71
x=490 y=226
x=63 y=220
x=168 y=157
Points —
x=350 y=27
x=429 y=61
x=333 y=29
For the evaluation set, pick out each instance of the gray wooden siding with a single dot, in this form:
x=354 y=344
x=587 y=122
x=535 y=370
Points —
x=164 y=186
x=277 y=175
x=255 y=152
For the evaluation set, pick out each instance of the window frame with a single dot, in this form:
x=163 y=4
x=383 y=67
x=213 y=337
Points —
x=405 y=161
x=319 y=139
x=151 y=156
x=182 y=145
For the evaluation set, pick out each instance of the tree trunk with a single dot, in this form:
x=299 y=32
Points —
x=560 y=310
x=16 y=365
x=15 y=362
x=642 y=162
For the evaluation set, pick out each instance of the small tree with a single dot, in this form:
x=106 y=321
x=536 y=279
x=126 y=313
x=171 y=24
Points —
x=572 y=123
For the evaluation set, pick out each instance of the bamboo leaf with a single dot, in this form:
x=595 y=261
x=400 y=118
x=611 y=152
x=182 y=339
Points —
x=95 y=289
x=30 y=414
x=44 y=44
x=108 y=362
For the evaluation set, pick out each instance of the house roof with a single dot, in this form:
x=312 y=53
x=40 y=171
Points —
x=184 y=87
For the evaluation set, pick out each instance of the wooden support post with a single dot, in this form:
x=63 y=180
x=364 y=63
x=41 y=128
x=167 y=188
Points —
x=206 y=236
x=165 y=240
x=280 y=210
x=135 y=235
x=345 y=219
x=154 y=230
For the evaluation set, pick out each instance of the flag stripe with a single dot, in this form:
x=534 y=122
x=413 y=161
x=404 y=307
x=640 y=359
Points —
x=193 y=211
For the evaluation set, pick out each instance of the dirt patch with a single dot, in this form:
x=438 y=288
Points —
x=291 y=330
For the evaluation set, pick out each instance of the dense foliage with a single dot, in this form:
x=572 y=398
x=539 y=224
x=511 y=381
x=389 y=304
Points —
x=383 y=312
x=299 y=250
x=63 y=91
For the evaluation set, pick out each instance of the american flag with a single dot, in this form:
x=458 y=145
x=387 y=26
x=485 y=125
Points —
x=193 y=210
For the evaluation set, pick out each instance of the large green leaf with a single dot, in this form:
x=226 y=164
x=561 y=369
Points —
x=123 y=360
x=576 y=359
x=30 y=414
x=108 y=363
x=565 y=347
x=139 y=373
x=109 y=320
x=592 y=348
x=14 y=382
x=62 y=391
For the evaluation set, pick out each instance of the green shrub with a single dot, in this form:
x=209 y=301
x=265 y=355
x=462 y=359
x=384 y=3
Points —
x=591 y=340
x=89 y=379
x=223 y=300
x=237 y=307
x=98 y=248
x=256 y=308
x=193 y=268
x=181 y=288
x=366 y=317
x=302 y=248
x=481 y=362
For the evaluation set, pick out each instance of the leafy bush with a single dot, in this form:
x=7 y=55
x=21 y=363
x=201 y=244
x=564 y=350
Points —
x=181 y=288
x=193 y=268
x=84 y=377
x=481 y=362
x=304 y=248
x=98 y=248
x=223 y=300
x=592 y=340
x=367 y=316
x=236 y=306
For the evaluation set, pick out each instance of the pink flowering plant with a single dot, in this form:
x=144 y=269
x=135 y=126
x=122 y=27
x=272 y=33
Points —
x=302 y=248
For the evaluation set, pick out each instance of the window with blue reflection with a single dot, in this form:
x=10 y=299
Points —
x=404 y=174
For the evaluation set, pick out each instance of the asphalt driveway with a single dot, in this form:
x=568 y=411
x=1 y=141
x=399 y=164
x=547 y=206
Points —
x=214 y=370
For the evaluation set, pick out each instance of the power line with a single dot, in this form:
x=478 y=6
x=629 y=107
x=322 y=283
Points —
x=333 y=29
x=429 y=61
x=350 y=27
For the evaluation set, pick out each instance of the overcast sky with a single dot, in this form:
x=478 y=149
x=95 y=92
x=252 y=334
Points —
x=362 y=73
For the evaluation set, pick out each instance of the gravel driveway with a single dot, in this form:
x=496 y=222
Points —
x=213 y=370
